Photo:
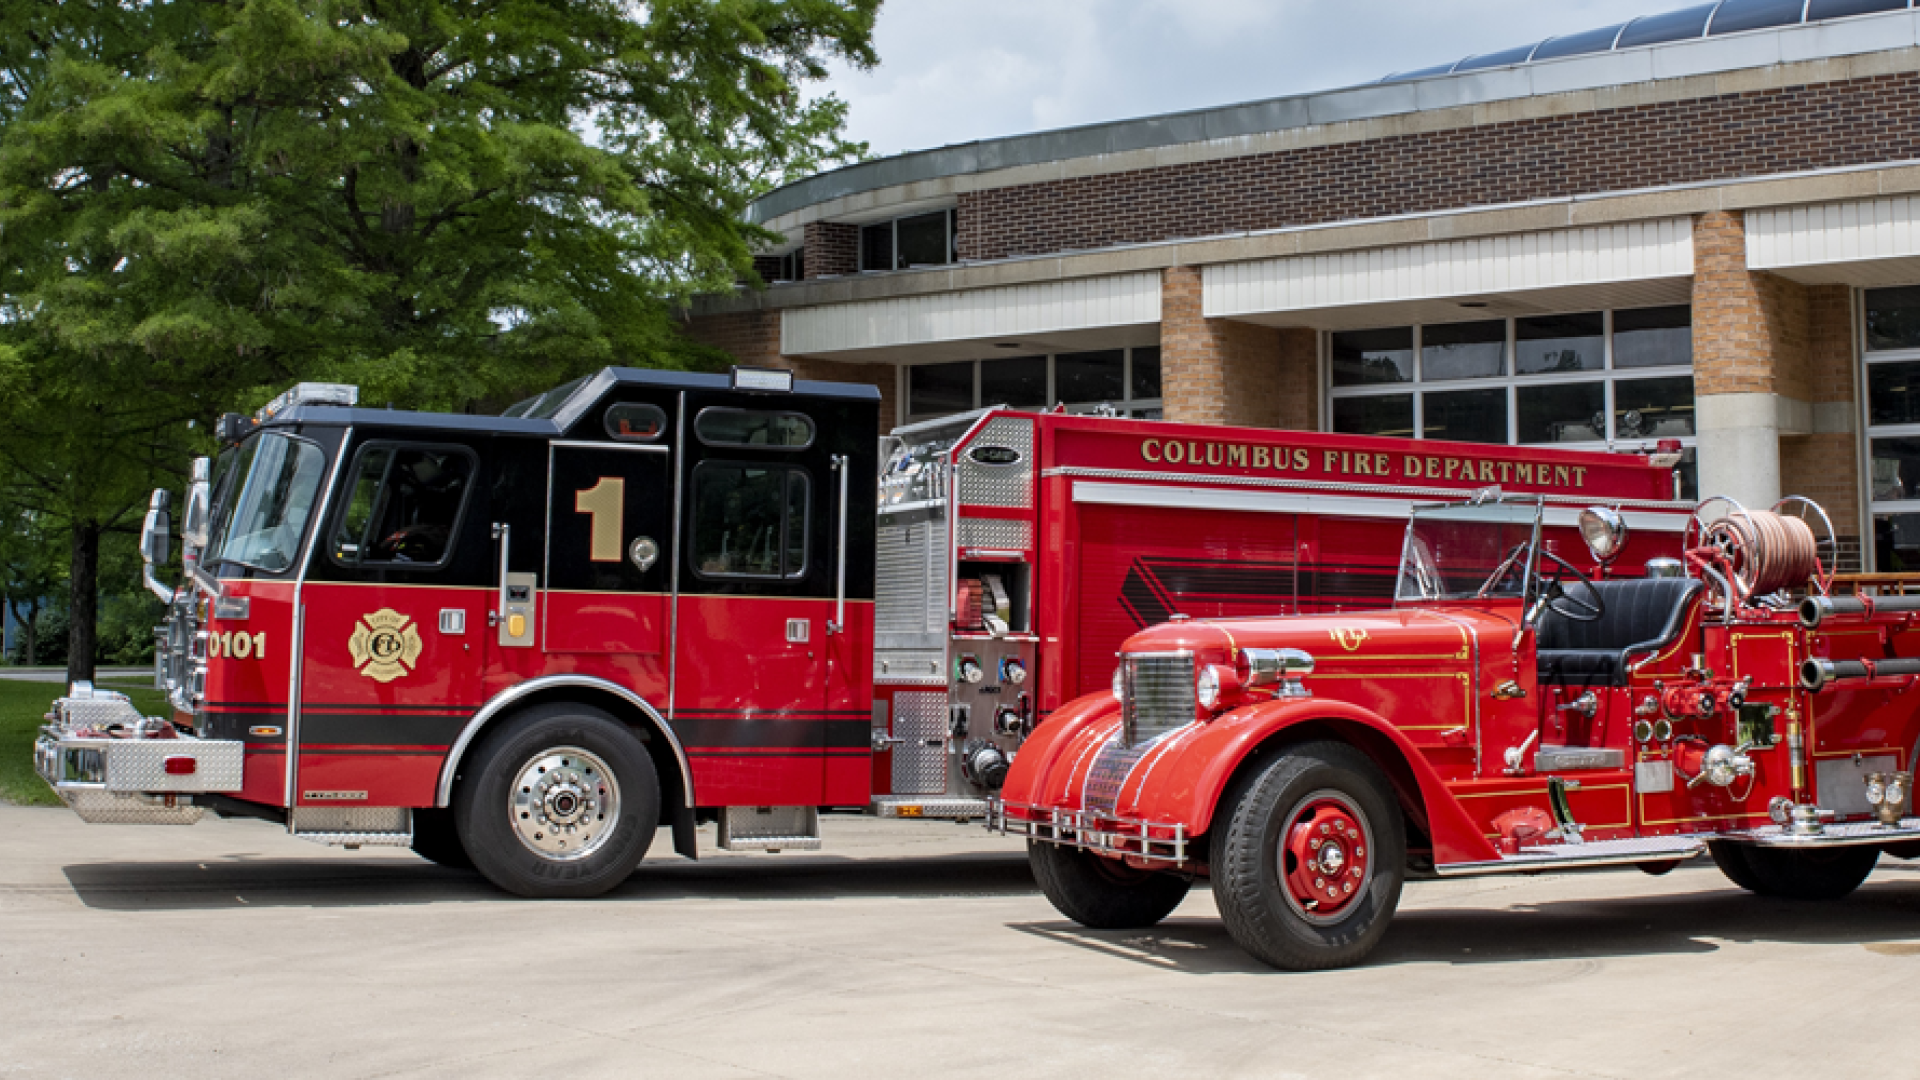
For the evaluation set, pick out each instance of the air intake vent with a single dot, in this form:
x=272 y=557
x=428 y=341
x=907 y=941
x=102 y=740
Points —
x=1159 y=694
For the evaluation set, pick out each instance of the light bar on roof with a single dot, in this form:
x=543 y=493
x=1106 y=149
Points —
x=776 y=379
x=310 y=393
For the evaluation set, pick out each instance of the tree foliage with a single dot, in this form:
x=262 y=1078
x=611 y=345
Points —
x=448 y=203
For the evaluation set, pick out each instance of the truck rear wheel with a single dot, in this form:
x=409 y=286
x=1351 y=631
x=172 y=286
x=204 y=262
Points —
x=1308 y=864
x=1810 y=873
x=561 y=801
x=1102 y=893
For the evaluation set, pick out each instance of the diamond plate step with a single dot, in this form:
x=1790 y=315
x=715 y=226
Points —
x=1576 y=856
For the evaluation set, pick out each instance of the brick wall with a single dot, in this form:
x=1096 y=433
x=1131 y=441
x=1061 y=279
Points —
x=832 y=249
x=1826 y=467
x=1851 y=122
x=753 y=338
x=1750 y=328
x=1217 y=371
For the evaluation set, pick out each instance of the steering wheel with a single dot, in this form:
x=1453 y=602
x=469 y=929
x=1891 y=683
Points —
x=1588 y=606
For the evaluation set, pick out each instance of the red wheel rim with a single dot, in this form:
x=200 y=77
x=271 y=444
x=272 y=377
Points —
x=1326 y=856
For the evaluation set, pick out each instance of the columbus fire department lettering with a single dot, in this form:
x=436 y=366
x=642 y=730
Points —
x=385 y=645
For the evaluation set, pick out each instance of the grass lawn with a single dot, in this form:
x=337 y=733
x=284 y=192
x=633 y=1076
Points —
x=22 y=708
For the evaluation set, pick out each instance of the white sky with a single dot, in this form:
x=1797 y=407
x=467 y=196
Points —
x=952 y=71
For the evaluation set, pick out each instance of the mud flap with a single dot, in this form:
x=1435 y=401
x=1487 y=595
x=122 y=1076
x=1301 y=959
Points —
x=686 y=834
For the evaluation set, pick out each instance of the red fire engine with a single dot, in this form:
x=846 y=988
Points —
x=651 y=598
x=1515 y=709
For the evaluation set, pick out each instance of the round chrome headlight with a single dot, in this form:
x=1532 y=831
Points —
x=1207 y=687
x=1605 y=532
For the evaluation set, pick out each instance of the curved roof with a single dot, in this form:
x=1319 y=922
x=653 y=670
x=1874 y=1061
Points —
x=1701 y=21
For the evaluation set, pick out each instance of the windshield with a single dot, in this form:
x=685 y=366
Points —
x=263 y=498
x=1469 y=552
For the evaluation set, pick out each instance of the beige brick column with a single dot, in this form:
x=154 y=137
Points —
x=1749 y=347
x=1218 y=371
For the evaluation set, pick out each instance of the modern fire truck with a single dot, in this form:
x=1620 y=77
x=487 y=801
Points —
x=652 y=599
x=1515 y=709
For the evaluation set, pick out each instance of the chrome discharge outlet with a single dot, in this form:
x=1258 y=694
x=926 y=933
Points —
x=1887 y=793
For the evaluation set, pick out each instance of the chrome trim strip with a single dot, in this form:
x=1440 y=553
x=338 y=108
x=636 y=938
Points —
x=297 y=659
x=580 y=444
x=444 y=793
x=1444 y=494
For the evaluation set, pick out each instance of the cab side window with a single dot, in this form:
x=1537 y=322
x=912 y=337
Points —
x=403 y=506
x=750 y=521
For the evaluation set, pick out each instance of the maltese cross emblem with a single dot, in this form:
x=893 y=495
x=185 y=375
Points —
x=385 y=645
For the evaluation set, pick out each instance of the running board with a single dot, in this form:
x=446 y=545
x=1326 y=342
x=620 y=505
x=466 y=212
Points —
x=1659 y=849
x=1850 y=834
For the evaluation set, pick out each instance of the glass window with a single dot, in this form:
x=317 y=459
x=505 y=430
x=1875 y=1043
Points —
x=1465 y=416
x=749 y=520
x=1563 y=412
x=923 y=239
x=1653 y=408
x=1146 y=373
x=262 y=524
x=1378 y=414
x=1361 y=357
x=1893 y=393
x=1653 y=337
x=1474 y=350
x=1893 y=319
x=1896 y=543
x=634 y=422
x=404 y=506
x=752 y=427
x=1090 y=377
x=1559 y=343
x=1020 y=381
x=933 y=389
x=1837 y=9
x=876 y=246
x=1896 y=468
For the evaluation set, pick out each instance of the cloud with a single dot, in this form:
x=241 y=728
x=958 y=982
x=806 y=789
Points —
x=954 y=71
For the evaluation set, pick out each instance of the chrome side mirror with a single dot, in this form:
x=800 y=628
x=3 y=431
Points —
x=193 y=529
x=156 y=540
x=1605 y=532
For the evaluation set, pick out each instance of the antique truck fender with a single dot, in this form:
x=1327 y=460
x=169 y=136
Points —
x=1182 y=778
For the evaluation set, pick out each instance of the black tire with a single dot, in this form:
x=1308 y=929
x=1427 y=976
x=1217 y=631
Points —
x=544 y=742
x=1731 y=858
x=1103 y=893
x=437 y=839
x=1254 y=880
x=1811 y=873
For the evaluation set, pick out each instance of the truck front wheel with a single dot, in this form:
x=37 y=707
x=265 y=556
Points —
x=1308 y=863
x=1810 y=874
x=1102 y=893
x=561 y=801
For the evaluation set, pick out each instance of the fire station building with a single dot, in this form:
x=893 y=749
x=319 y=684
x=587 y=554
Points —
x=1699 y=227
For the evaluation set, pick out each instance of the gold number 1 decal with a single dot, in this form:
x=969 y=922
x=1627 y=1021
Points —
x=606 y=501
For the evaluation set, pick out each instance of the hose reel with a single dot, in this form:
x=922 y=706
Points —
x=1751 y=553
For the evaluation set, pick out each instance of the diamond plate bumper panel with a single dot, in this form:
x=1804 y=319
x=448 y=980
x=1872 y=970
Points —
x=1845 y=835
x=764 y=828
x=894 y=806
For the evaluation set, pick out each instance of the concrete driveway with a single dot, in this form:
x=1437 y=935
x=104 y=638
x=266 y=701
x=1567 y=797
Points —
x=904 y=950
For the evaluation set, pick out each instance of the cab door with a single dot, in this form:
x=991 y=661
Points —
x=609 y=558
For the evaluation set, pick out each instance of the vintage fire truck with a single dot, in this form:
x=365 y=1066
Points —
x=651 y=599
x=1517 y=708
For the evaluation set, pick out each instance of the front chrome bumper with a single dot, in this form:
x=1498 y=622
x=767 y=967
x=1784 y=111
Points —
x=1145 y=841
x=92 y=753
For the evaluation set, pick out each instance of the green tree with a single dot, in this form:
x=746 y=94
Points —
x=448 y=203
x=31 y=573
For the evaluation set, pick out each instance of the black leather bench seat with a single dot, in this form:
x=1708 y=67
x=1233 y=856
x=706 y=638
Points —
x=1641 y=614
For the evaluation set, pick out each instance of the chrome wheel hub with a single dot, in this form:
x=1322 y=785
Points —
x=564 y=803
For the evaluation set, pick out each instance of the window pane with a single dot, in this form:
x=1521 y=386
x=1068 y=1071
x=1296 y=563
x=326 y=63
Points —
x=1653 y=408
x=1559 y=343
x=749 y=521
x=1571 y=412
x=1893 y=393
x=1893 y=319
x=751 y=427
x=1373 y=356
x=1896 y=468
x=935 y=389
x=1021 y=381
x=1653 y=337
x=1146 y=374
x=1080 y=378
x=1474 y=350
x=876 y=246
x=405 y=504
x=1387 y=414
x=1465 y=416
x=923 y=239
x=1896 y=543
x=633 y=422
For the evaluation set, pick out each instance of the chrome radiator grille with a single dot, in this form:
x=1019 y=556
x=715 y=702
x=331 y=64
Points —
x=1158 y=694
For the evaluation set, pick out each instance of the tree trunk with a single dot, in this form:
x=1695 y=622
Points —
x=83 y=600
